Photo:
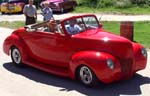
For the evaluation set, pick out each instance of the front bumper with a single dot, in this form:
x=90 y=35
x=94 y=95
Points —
x=140 y=60
x=124 y=68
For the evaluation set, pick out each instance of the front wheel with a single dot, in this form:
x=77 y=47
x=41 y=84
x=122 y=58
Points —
x=86 y=76
x=16 y=56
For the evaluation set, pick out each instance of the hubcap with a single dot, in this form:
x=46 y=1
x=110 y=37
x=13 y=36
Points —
x=86 y=75
x=16 y=56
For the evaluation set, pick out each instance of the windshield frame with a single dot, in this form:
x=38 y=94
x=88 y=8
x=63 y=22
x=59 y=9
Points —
x=26 y=1
x=77 y=17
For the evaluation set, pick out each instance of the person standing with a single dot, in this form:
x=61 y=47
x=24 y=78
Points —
x=47 y=12
x=30 y=13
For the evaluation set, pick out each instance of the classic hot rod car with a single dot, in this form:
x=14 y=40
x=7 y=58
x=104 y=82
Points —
x=13 y=6
x=60 y=5
x=76 y=47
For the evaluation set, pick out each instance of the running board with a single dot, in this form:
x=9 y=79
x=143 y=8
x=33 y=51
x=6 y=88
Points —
x=61 y=71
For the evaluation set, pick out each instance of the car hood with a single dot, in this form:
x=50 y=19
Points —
x=99 y=34
x=102 y=40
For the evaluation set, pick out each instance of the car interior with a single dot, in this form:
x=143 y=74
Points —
x=45 y=27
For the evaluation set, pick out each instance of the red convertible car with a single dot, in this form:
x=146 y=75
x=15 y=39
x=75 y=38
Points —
x=76 y=47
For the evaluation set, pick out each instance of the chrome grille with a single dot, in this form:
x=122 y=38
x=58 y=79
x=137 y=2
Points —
x=126 y=67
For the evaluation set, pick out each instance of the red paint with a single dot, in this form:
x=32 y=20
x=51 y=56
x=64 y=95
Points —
x=63 y=54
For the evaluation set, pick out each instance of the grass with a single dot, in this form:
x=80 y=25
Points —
x=113 y=10
x=141 y=29
x=12 y=25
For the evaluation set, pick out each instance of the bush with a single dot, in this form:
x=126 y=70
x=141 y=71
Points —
x=141 y=2
x=89 y=3
x=138 y=2
x=96 y=3
x=147 y=2
x=122 y=3
x=114 y=3
x=105 y=3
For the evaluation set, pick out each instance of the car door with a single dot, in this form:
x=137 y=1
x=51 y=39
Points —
x=49 y=48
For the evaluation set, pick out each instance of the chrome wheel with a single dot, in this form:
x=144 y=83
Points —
x=86 y=75
x=16 y=56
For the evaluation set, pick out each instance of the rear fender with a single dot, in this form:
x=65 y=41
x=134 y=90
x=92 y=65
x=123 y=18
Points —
x=15 y=41
x=97 y=62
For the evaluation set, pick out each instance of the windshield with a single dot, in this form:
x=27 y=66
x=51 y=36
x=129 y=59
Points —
x=78 y=25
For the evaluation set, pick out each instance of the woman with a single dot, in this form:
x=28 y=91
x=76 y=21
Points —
x=47 y=12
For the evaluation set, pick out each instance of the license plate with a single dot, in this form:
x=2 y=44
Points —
x=11 y=7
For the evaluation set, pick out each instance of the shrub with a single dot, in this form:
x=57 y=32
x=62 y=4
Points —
x=147 y=2
x=122 y=3
x=96 y=3
x=89 y=3
x=105 y=3
x=138 y=2
x=141 y=2
x=114 y=3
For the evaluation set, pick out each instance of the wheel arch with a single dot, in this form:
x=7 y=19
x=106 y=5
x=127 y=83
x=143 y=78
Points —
x=96 y=61
x=15 y=41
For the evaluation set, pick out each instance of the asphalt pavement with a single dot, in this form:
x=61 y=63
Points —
x=102 y=17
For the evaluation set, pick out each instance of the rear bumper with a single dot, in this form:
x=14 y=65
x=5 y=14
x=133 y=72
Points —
x=58 y=9
x=6 y=45
x=13 y=10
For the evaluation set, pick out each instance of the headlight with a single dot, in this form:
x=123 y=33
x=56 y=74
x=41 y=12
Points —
x=110 y=63
x=144 y=52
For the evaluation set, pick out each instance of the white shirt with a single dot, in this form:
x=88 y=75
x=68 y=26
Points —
x=30 y=10
x=73 y=29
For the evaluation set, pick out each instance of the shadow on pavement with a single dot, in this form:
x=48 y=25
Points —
x=128 y=87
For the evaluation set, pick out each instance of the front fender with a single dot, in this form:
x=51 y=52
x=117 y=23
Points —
x=139 y=60
x=97 y=62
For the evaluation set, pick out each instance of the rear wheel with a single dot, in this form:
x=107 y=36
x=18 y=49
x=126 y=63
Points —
x=86 y=76
x=16 y=56
x=2 y=12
